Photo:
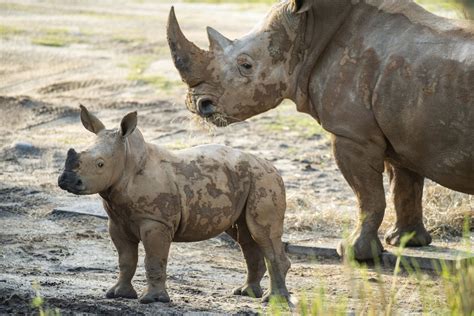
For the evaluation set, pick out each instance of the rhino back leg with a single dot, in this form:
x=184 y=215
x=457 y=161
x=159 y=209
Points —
x=362 y=165
x=264 y=215
x=407 y=194
x=253 y=257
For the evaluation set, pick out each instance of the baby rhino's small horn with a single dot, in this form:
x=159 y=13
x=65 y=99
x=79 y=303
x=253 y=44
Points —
x=72 y=160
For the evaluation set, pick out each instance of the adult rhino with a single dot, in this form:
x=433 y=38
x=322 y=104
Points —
x=390 y=81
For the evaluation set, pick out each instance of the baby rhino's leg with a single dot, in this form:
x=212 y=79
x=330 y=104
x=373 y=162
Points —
x=128 y=256
x=156 y=239
x=265 y=213
x=253 y=257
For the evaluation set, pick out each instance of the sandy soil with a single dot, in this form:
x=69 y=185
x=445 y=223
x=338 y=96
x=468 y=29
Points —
x=113 y=58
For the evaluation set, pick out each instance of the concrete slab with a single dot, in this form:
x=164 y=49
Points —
x=426 y=258
x=91 y=208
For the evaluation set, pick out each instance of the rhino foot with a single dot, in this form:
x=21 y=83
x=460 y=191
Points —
x=252 y=290
x=421 y=237
x=154 y=296
x=362 y=246
x=123 y=291
x=279 y=295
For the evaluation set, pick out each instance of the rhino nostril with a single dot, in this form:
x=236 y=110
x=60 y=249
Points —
x=79 y=182
x=205 y=107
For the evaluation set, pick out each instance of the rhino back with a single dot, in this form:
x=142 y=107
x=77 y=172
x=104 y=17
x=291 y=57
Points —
x=412 y=82
x=213 y=183
x=423 y=101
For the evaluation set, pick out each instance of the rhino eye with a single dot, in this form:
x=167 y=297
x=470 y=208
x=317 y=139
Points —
x=100 y=163
x=245 y=69
x=247 y=66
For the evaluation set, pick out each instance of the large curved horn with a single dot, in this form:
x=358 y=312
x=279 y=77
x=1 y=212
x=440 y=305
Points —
x=190 y=60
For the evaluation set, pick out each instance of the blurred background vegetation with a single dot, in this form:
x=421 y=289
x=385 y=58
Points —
x=468 y=6
x=464 y=7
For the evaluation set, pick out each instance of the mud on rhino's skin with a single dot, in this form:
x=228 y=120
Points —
x=155 y=196
x=390 y=81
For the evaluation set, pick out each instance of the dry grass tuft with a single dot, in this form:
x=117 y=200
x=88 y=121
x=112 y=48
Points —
x=306 y=214
x=203 y=124
x=445 y=212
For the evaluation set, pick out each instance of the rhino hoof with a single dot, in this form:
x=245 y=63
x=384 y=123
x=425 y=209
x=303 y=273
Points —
x=280 y=296
x=363 y=247
x=152 y=297
x=119 y=291
x=420 y=239
x=251 y=290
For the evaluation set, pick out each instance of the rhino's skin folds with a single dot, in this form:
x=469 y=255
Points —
x=392 y=83
x=157 y=197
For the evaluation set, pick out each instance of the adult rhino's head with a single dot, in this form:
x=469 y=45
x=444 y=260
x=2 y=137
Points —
x=102 y=164
x=235 y=80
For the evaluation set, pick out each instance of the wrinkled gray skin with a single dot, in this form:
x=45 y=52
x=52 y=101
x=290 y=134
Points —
x=155 y=196
x=391 y=82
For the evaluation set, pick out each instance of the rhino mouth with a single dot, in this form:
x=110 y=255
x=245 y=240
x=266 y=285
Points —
x=205 y=107
x=218 y=119
x=71 y=183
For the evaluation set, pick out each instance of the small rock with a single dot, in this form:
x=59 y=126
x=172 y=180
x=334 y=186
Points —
x=24 y=149
x=373 y=280
x=308 y=167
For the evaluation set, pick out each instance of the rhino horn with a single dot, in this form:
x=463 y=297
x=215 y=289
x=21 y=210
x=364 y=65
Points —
x=190 y=60
x=217 y=41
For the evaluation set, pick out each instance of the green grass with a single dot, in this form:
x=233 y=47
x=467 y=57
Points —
x=53 y=41
x=138 y=66
x=287 y=119
x=126 y=39
x=37 y=302
x=444 y=6
x=7 y=31
x=231 y=1
x=57 y=37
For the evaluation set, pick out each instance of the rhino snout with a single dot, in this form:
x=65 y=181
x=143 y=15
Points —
x=205 y=107
x=71 y=182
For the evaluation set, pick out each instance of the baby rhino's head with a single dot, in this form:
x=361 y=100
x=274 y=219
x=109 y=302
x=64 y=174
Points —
x=97 y=168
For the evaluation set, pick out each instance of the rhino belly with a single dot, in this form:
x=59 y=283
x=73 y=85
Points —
x=206 y=222
x=426 y=112
x=435 y=145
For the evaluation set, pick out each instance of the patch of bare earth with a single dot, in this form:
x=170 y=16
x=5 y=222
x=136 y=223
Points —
x=113 y=58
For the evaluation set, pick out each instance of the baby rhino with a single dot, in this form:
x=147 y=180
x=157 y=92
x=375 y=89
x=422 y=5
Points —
x=156 y=196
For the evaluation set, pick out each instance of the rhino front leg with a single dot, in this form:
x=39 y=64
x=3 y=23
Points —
x=407 y=192
x=128 y=256
x=156 y=239
x=362 y=165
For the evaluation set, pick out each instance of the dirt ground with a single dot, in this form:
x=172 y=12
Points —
x=112 y=57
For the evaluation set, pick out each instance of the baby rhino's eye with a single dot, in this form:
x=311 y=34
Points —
x=100 y=163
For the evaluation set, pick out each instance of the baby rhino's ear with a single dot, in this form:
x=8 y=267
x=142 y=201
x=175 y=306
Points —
x=90 y=122
x=128 y=124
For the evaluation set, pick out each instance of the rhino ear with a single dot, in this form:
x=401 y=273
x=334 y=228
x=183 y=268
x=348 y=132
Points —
x=128 y=124
x=300 y=6
x=90 y=121
x=217 y=41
